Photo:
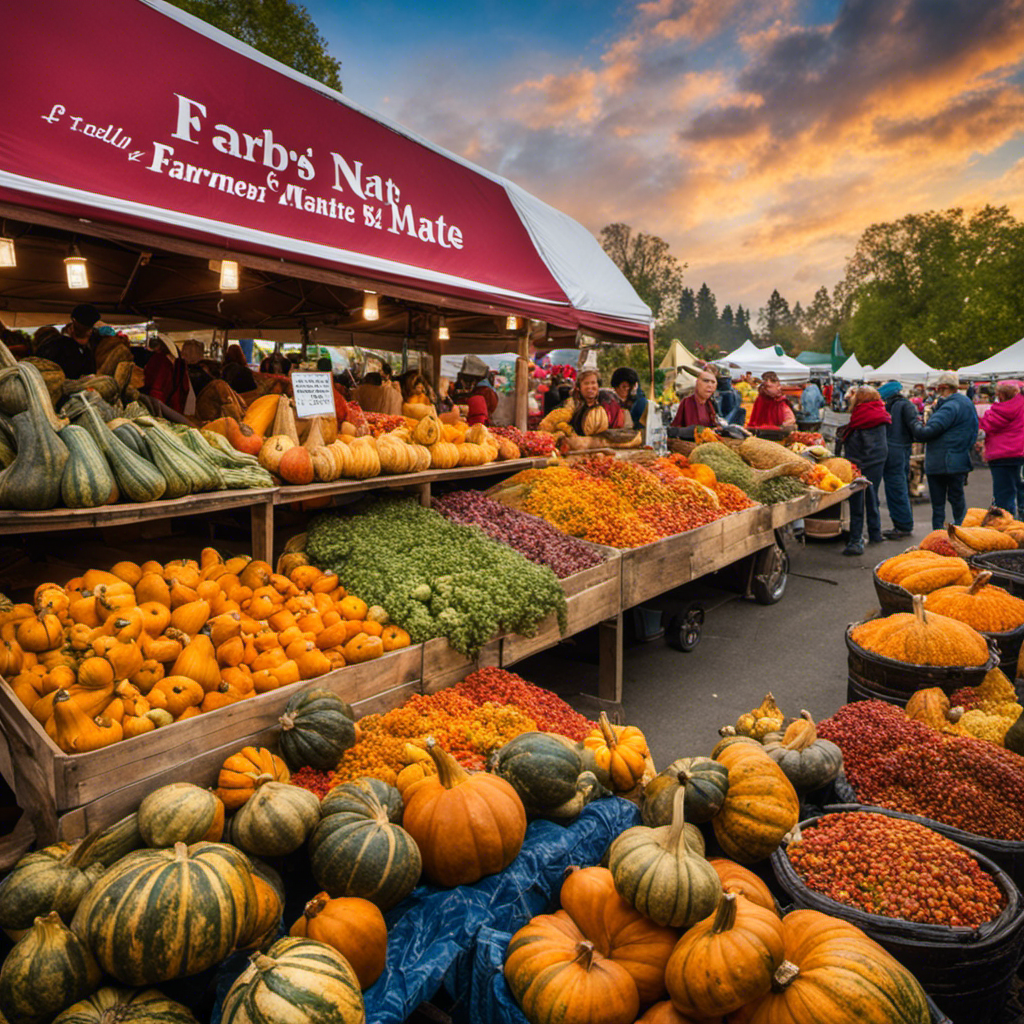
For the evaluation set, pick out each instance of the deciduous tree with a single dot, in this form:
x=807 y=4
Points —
x=648 y=265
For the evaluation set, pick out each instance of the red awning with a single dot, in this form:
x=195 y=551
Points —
x=212 y=141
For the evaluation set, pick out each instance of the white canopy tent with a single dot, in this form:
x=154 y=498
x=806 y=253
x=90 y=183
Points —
x=760 y=360
x=851 y=369
x=905 y=367
x=1008 y=363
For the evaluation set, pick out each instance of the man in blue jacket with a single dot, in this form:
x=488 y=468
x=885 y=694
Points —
x=949 y=436
x=897 y=462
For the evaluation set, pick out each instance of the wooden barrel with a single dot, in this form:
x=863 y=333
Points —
x=967 y=971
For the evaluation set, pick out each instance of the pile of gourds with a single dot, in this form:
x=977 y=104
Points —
x=94 y=452
x=113 y=655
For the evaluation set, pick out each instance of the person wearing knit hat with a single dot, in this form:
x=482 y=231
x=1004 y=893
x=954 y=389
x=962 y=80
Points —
x=896 y=472
x=949 y=435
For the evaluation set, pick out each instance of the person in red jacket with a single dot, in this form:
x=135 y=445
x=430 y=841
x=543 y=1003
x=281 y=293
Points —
x=588 y=395
x=158 y=374
x=771 y=410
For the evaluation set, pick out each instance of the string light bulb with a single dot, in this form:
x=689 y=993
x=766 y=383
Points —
x=511 y=323
x=228 y=276
x=76 y=269
x=442 y=331
x=370 y=310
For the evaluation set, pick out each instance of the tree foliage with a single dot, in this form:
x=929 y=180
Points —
x=943 y=283
x=648 y=265
x=279 y=28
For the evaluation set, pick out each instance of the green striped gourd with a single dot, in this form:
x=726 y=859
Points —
x=163 y=914
x=316 y=729
x=87 y=480
x=276 y=820
x=127 y=1006
x=108 y=845
x=53 y=878
x=32 y=480
x=132 y=436
x=182 y=469
x=137 y=478
x=22 y=388
x=48 y=969
x=297 y=981
x=180 y=812
x=359 y=850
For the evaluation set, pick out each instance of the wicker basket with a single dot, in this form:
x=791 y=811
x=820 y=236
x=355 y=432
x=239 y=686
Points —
x=680 y=447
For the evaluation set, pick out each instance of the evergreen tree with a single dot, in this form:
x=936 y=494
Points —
x=687 y=305
x=727 y=317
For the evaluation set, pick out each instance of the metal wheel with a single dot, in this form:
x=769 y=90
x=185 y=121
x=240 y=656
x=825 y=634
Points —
x=771 y=573
x=684 y=629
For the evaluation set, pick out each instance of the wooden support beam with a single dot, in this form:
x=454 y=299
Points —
x=522 y=393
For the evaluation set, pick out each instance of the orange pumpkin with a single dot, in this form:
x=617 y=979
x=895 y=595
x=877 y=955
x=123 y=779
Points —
x=736 y=878
x=620 y=752
x=394 y=637
x=466 y=826
x=354 y=927
x=242 y=772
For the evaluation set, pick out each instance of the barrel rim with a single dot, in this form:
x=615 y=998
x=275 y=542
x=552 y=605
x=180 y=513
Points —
x=863 y=652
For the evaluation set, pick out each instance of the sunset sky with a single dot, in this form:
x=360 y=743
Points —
x=758 y=137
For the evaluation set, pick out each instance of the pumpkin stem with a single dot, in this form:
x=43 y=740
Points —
x=315 y=906
x=676 y=841
x=784 y=976
x=805 y=737
x=980 y=581
x=584 y=954
x=287 y=722
x=259 y=780
x=725 y=914
x=449 y=771
x=607 y=731
x=727 y=730
x=180 y=851
x=919 y=608
x=262 y=962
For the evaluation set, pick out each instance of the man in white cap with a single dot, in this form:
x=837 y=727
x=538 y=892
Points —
x=949 y=435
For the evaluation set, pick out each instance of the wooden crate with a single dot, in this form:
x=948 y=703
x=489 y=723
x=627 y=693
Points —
x=68 y=795
x=443 y=666
x=591 y=597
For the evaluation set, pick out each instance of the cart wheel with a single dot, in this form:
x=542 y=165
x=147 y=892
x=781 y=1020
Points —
x=684 y=629
x=771 y=571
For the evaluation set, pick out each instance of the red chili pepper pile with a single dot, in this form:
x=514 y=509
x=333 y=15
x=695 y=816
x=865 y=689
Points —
x=907 y=766
x=895 y=868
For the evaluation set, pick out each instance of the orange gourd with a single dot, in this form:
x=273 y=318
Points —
x=354 y=927
x=176 y=694
x=353 y=608
x=620 y=751
x=95 y=673
x=983 y=606
x=127 y=625
x=393 y=638
x=153 y=587
x=224 y=627
x=75 y=732
x=163 y=649
x=231 y=652
x=466 y=826
x=198 y=661
x=39 y=634
x=156 y=617
x=736 y=878
x=363 y=647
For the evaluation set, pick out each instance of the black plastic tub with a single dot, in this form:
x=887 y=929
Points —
x=872 y=677
x=968 y=972
x=1007 y=853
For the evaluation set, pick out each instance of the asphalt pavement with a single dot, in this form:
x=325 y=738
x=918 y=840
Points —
x=794 y=648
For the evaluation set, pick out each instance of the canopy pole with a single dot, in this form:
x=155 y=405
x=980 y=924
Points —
x=650 y=357
x=522 y=394
x=434 y=347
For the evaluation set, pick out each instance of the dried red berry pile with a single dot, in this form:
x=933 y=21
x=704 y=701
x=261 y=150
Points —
x=548 y=710
x=895 y=868
x=315 y=780
x=532 y=444
x=532 y=537
x=907 y=766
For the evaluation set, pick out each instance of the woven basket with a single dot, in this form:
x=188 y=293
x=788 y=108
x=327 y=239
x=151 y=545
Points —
x=680 y=447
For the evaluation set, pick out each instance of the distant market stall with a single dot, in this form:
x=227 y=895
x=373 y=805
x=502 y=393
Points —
x=1009 y=362
x=761 y=360
x=905 y=367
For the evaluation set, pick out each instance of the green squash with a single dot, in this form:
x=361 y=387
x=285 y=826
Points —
x=134 y=438
x=163 y=914
x=276 y=820
x=183 y=471
x=180 y=813
x=316 y=730
x=807 y=761
x=87 y=480
x=48 y=970
x=660 y=873
x=127 y=1006
x=105 y=846
x=314 y=981
x=32 y=481
x=706 y=783
x=53 y=878
x=540 y=769
x=359 y=850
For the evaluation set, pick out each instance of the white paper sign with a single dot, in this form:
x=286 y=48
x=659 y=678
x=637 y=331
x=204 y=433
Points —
x=313 y=394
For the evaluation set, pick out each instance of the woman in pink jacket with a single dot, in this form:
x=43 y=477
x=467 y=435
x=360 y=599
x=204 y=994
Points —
x=1003 y=425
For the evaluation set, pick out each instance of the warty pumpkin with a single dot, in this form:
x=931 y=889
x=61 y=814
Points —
x=466 y=826
x=833 y=972
x=922 y=572
x=303 y=980
x=620 y=751
x=354 y=927
x=982 y=605
x=127 y=1006
x=180 y=812
x=726 y=960
x=922 y=638
x=660 y=872
x=760 y=807
x=47 y=971
x=209 y=882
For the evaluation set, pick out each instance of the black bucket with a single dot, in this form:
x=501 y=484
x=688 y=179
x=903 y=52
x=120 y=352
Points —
x=872 y=677
x=1007 y=568
x=891 y=596
x=967 y=971
x=1008 y=645
x=1007 y=853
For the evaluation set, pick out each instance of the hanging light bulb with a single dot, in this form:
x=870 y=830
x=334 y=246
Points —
x=442 y=331
x=370 y=310
x=228 y=276
x=6 y=249
x=511 y=323
x=76 y=269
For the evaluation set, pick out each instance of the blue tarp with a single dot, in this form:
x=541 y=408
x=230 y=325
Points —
x=433 y=934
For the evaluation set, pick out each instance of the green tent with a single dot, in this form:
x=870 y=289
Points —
x=814 y=359
x=838 y=355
